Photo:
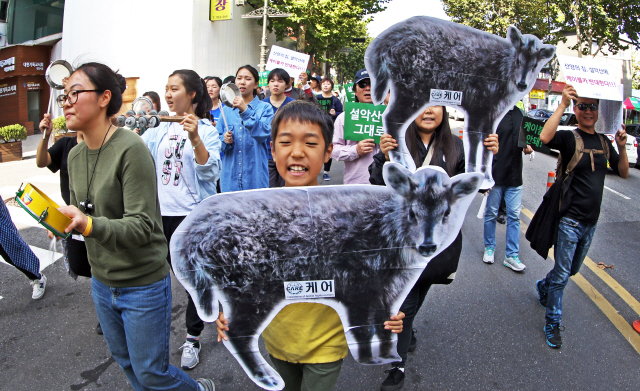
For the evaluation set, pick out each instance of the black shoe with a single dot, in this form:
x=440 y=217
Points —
x=542 y=298
x=394 y=381
x=414 y=341
x=501 y=218
x=99 y=329
x=552 y=334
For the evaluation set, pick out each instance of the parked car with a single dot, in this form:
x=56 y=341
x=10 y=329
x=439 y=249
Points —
x=540 y=114
x=633 y=130
x=631 y=146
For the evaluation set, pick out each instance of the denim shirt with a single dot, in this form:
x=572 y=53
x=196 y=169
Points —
x=206 y=174
x=245 y=161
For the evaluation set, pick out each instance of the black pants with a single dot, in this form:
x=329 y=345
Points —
x=327 y=165
x=410 y=307
x=4 y=255
x=77 y=257
x=195 y=325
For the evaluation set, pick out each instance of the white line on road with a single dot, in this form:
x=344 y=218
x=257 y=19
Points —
x=618 y=193
x=46 y=257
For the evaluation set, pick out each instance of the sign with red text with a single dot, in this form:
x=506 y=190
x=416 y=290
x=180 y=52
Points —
x=292 y=62
x=590 y=78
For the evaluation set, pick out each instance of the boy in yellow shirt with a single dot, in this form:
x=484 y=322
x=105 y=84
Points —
x=306 y=341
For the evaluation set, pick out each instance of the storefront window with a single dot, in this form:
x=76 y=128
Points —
x=33 y=19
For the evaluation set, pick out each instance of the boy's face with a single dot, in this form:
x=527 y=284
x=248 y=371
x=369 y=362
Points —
x=299 y=153
x=277 y=86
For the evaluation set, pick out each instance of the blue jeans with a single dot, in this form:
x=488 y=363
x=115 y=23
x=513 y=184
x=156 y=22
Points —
x=136 y=322
x=574 y=239
x=513 y=200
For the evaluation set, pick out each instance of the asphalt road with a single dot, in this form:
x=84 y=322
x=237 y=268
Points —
x=482 y=332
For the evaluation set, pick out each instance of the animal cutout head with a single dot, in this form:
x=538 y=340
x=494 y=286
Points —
x=529 y=54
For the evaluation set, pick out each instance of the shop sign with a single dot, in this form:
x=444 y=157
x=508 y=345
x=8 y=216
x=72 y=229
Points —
x=6 y=90
x=31 y=85
x=38 y=65
x=536 y=94
x=8 y=64
x=220 y=10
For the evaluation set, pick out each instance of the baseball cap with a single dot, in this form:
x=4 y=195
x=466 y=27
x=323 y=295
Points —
x=318 y=78
x=361 y=75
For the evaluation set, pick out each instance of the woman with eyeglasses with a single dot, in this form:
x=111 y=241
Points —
x=357 y=155
x=213 y=89
x=114 y=205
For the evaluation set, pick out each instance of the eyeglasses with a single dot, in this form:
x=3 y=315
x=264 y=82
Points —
x=72 y=97
x=364 y=83
x=586 y=106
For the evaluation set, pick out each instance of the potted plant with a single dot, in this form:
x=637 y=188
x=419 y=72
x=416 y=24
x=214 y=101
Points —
x=11 y=149
x=59 y=125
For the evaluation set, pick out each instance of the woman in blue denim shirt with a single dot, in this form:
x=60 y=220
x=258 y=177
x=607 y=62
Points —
x=244 y=136
x=187 y=160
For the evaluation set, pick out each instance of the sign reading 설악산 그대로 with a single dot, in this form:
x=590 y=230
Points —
x=350 y=95
x=363 y=121
x=590 y=78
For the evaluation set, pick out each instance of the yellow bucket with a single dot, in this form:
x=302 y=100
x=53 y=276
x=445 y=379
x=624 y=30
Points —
x=43 y=209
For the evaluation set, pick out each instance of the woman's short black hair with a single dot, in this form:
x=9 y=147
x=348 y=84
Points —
x=193 y=83
x=155 y=98
x=305 y=113
x=104 y=78
x=229 y=79
x=214 y=78
x=254 y=73
x=280 y=74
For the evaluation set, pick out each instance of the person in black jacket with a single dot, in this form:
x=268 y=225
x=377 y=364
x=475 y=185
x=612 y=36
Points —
x=507 y=173
x=430 y=142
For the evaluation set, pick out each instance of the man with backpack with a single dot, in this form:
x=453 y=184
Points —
x=583 y=183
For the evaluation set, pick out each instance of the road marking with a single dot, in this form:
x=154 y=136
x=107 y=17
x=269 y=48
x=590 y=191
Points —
x=618 y=193
x=0 y=297
x=607 y=309
x=46 y=257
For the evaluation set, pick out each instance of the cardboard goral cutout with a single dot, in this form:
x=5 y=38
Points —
x=358 y=249
x=428 y=62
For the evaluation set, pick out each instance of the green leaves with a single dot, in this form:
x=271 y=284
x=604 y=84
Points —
x=15 y=132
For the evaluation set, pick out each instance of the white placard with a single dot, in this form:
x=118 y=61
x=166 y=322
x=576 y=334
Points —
x=446 y=97
x=293 y=62
x=591 y=78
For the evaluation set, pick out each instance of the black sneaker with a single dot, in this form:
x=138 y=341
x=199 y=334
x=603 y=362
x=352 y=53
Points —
x=552 y=334
x=501 y=218
x=414 y=341
x=394 y=381
x=99 y=329
x=542 y=298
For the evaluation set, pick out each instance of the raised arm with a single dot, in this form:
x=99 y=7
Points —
x=43 y=159
x=551 y=126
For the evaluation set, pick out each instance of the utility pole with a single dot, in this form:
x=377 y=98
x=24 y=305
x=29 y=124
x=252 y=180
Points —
x=263 y=13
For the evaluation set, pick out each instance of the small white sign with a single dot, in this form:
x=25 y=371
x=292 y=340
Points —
x=309 y=289
x=293 y=62
x=591 y=78
x=446 y=97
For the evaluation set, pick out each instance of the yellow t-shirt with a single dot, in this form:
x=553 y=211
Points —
x=306 y=333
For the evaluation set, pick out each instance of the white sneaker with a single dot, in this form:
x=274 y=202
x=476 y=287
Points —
x=190 y=353
x=514 y=263
x=38 y=287
x=488 y=255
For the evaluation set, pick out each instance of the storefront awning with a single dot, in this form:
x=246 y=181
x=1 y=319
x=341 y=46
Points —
x=632 y=103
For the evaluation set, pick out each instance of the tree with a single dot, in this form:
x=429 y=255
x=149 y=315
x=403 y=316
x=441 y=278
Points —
x=599 y=22
x=347 y=64
x=322 y=26
x=635 y=71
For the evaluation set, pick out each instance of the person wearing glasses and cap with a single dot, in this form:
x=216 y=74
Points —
x=578 y=224
x=357 y=155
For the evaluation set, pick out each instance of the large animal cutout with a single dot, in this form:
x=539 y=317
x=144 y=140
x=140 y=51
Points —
x=255 y=252
x=426 y=61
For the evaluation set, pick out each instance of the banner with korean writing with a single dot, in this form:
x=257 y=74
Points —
x=326 y=103
x=350 y=96
x=530 y=135
x=220 y=10
x=263 y=79
x=363 y=121
x=590 y=78
x=292 y=62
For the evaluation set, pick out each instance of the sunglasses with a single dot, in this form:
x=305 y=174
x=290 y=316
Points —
x=586 y=106
x=364 y=83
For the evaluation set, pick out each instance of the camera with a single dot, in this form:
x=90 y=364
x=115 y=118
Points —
x=87 y=205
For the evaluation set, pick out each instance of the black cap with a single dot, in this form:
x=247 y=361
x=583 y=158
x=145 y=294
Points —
x=318 y=78
x=361 y=75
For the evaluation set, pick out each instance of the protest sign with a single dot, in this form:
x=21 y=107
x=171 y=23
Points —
x=363 y=121
x=350 y=96
x=292 y=62
x=590 y=78
x=530 y=135
x=263 y=79
x=326 y=103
